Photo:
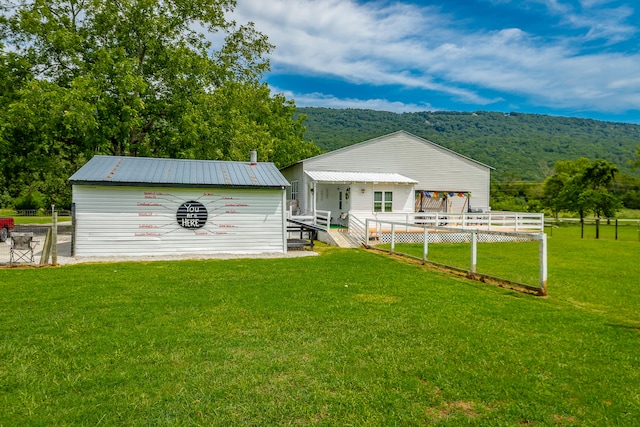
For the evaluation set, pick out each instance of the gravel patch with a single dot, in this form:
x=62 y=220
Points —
x=64 y=260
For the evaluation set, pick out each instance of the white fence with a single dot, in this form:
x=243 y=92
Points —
x=389 y=232
x=512 y=221
x=492 y=221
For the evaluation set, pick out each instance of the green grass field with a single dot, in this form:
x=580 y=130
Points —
x=346 y=338
x=39 y=219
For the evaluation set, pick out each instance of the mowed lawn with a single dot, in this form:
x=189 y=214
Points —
x=346 y=338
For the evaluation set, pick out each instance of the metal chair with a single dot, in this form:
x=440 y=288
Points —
x=21 y=248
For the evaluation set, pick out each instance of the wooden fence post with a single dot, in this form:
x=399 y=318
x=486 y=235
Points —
x=46 y=248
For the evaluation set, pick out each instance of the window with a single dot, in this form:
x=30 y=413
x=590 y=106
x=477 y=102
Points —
x=388 y=201
x=382 y=201
x=294 y=190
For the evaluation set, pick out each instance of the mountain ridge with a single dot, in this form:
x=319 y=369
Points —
x=518 y=145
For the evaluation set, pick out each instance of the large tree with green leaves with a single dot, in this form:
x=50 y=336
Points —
x=163 y=78
x=583 y=187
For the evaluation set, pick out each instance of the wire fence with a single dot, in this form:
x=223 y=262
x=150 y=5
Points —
x=593 y=228
x=514 y=259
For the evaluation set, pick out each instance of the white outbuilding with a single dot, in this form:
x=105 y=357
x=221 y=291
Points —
x=149 y=206
x=395 y=173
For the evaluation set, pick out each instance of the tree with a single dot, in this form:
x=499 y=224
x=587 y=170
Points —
x=41 y=133
x=636 y=163
x=162 y=78
x=560 y=188
x=628 y=188
x=583 y=187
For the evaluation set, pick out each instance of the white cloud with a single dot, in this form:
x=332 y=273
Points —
x=385 y=43
x=594 y=3
x=607 y=24
x=600 y=21
x=316 y=99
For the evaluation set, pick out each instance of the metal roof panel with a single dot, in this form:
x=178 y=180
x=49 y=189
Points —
x=146 y=170
x=340 y=176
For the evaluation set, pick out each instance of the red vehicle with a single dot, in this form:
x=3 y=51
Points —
x=6 y=225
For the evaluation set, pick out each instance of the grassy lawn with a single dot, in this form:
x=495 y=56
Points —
x=346 y=338
x=39 y=219
x=517 y=262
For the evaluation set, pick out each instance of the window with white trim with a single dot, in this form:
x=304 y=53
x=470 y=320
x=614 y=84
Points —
x=382 y=201
x=294 y=190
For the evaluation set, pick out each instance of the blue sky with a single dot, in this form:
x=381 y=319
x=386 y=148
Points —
x=577 y=58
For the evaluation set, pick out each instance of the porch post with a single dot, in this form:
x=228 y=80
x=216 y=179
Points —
x=314 y=190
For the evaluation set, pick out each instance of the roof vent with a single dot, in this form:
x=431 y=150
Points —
x=254 y=157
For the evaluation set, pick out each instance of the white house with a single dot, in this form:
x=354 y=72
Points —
x=395 y=173
x=148 y=206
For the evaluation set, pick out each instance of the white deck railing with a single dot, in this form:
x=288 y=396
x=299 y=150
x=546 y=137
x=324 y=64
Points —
x=320 y=218
x=511 y=221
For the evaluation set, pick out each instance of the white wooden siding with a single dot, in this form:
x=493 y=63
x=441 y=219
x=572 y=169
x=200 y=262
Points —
x=119 y=220
x=296 y=173
x=434 y=167
x=402 y=196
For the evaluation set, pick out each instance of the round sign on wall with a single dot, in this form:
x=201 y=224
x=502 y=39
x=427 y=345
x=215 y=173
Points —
x=192 y=215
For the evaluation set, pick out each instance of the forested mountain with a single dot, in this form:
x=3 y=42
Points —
x=520 y=146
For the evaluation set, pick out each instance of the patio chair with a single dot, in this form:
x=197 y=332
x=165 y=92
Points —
x=21 y=246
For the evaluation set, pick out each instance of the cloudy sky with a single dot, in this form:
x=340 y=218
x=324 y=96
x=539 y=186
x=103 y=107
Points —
x=578 y=58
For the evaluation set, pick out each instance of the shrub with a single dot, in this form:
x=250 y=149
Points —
x=29 y=200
